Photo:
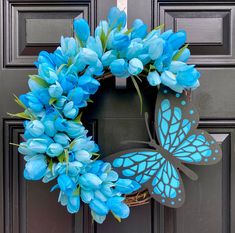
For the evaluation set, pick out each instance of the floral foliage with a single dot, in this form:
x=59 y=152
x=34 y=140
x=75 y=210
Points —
x=56 y=145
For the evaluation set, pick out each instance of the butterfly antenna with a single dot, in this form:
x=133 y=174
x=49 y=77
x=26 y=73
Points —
x=134 y=141
x=146 y=115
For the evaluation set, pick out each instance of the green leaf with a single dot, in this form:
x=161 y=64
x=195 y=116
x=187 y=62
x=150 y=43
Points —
x=60 y=68
x=66 y=153
x=119 y=27
x=116 y=217
x=161 y=26
x=61 y=157
x=152 y=67
x=78 y=118
x=128 y=31
x=139 y=93
x=80 y=42
x=72 y=144
x=179 y=53
x=50 y=165
x=20 y=114
x=52 y=100
x=76 y=192
x=19 y=102
x=39 y=80
x=90 y=101
x=103 y=38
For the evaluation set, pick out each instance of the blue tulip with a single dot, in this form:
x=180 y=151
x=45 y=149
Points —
x=35 y=168
x=47 y=73
x=176 y=40
x=88 y=56
x=135 y=66
x=70 y=111
x=55 y=90
x=37 y=145
x=102 y=28
x=177 y=66
x=188 y=77
x=50 y=174
x=99 y=207
x=45 y=139
x=96 y=69
x=119 y=68
x=68 y=82
x=59 y=104
x=83 y=156
x=156 y=48
x=68 y=46
x=169 y=79
x=81 y=29
x=59 y=58
x=145 y=58
x=24 y=149
x=126 y=186
x=116 y=18
x=35 y=128
x=165 y=35
x=61 y=124
x=120 y=41
x=95 y=45
x=86 y=195
x=73 y=205
x=98 y=218
x=107 y=189
x=90 y=181
x=139 y=29
x=54 y=150
x=43 y=96
x=119 y=208
x=185 y=55
x=100 y=196
x=50 y=128
x=62 y=139
x=134 y=49
x=78 y=64
x=78 y=96
x=88 y=84
x=34 y=86
x=153 y=78
x=108 y=57
x=66 y=184
x=45 y=57
x=85 y=144
x=74 y=129
x=111 y=176
x=31 y=101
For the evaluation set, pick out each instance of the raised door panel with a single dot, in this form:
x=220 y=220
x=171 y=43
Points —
x=34 y=26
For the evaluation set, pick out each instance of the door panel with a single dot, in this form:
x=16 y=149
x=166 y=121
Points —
x=26 y=28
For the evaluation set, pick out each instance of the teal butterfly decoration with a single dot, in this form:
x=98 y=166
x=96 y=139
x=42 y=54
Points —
x=181 y=143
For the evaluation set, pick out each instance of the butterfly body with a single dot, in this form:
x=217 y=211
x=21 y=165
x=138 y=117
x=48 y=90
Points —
x=180 y=143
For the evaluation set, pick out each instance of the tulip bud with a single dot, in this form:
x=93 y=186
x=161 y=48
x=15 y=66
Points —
x=54 y=150
x=153 y=78
x=135 y=66
x=35 y=128
x=81 y=29
x=35 y=168
x=66 y=184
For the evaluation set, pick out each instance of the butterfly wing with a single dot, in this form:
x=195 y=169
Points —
x=176 y=121
x=152 y=171
x=198 y=148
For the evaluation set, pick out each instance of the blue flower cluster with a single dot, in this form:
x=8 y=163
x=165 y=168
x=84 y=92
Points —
x=56 y=144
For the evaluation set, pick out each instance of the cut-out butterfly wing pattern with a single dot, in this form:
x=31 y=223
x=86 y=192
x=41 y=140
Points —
x=180 y=142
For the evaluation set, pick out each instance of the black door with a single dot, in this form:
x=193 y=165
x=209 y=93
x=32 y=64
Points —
x=28 y=26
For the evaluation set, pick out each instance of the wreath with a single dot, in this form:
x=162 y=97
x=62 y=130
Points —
x=56 y=145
